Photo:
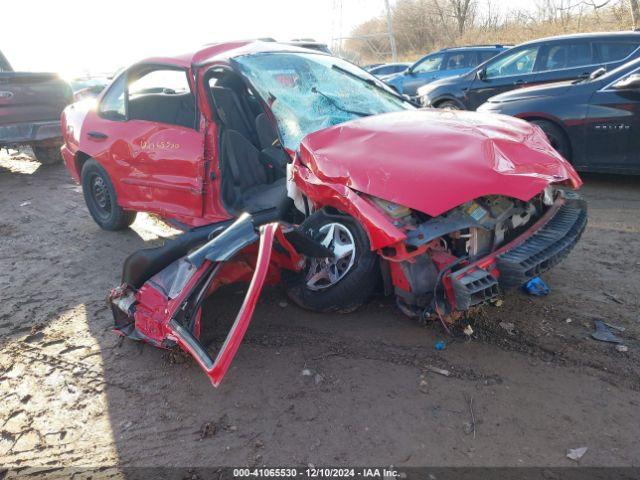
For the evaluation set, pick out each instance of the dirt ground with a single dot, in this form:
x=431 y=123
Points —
x=74 y=394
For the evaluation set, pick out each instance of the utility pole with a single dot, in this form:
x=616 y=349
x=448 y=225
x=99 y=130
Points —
x=392 y=38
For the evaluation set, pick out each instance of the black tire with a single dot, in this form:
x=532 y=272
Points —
x=556 y=136
x=449 y=105
x=352 y=289
x=47 y=155
x=101 y=200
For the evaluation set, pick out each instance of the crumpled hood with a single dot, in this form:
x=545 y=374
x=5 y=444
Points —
x=435 y=160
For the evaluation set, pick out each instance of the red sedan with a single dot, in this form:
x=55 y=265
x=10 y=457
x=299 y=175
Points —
x=288 y=165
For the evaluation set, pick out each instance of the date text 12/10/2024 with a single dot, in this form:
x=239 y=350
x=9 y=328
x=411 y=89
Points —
x=313 y=472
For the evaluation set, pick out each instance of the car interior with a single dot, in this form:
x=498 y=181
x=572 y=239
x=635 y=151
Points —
x=252 y=161
x=164 y=97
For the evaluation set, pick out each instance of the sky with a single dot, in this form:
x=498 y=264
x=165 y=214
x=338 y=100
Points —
x=76 y=36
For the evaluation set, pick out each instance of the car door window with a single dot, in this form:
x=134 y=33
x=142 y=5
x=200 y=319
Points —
x=614 y=51
x=113 y=105
x=567 y=55
x=161 y=95
x=519 y=62
x=460 y=60
x=430 y=64
x=486 y=55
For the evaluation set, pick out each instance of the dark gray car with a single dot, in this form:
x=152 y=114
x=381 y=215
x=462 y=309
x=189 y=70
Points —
x=30 y=108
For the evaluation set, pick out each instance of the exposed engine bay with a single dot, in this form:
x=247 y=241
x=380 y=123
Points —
x=455 y=239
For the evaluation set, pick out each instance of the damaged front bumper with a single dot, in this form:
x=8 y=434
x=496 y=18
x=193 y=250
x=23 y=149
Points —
x=535 y=251
x=459 y=260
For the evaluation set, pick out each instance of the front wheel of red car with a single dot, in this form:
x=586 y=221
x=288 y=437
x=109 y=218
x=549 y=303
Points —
x=345 y=281
x=101 y=200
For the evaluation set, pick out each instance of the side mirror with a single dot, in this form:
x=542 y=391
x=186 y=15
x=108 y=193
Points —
x=481 y=74
x=632 y=82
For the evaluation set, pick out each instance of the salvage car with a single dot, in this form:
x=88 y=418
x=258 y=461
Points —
x=593 y=122
x=289 y=166
x=30 y=108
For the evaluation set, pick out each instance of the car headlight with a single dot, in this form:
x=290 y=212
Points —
x=394 y=210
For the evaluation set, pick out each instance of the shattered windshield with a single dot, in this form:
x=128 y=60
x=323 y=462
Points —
x=309 y=92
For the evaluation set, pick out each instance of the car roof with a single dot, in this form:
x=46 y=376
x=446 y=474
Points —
x=476 y=47
x=628 y=34
x=223 y=52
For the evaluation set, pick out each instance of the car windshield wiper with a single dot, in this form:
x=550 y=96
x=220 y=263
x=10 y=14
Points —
x=371 y=82
x=336 y=104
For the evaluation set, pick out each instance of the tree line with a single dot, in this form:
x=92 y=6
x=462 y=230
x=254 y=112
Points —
x=421 y=26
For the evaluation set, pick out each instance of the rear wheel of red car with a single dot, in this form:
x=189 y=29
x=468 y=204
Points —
x=342 y=283
x=101 y=200
x=556 y=136
x=47 y=155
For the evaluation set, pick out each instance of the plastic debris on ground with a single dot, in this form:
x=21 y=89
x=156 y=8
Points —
x=615 y=327
x=439 y=371
x=441 y=345
x=622 y=348
x=576 y=453
x=603 y=333
x=508 y=326
x=536 y=287
x=468 y=331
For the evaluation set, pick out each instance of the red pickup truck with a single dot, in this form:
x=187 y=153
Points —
x=30 y=108
x=338 y=184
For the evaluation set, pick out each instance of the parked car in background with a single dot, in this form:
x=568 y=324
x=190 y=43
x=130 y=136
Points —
x=594 y=123
x=444 y=63
x=552 y=59
x=30 y=108
x=88 y=86
x=386 y=69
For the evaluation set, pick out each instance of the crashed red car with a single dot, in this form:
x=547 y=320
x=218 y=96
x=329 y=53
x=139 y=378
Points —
x=288 y=166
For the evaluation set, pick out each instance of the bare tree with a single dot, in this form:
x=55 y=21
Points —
x=634 y=6
x=463 y=12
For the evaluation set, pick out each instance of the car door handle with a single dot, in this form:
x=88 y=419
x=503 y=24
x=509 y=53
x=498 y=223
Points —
x=519 y=82
x=97 y=135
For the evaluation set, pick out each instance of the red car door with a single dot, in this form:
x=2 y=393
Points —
x=166 y=163
x=147 y=138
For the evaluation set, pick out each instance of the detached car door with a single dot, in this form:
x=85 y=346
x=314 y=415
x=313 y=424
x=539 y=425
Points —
x=149 y=141
x=514 y=69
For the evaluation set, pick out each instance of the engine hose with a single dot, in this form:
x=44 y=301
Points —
x=433 y=307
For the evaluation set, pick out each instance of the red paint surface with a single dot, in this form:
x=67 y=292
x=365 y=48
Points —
x=435 y=160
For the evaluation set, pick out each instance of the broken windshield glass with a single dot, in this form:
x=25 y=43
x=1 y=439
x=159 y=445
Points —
x=309 y=92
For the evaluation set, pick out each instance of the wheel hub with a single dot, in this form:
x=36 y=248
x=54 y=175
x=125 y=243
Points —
x=325 y=272
x=101 y=194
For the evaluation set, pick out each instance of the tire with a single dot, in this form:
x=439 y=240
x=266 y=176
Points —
x=556 y=136
x=101 y=200
x=356 y=276
x=47 y=155
x=449 y=105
